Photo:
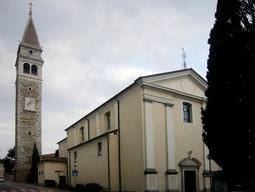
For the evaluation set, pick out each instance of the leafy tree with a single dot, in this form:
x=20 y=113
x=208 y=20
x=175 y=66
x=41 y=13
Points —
x=34 y=167
x=11 y=153
x=57 y=153
x=9 y=160
x=228 y=117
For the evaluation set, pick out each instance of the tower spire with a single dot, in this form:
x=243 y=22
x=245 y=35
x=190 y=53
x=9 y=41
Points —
x=30 y=35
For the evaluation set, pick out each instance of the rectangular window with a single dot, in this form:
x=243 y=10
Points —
x=187 y=112
x=99 y=149
x=82 y=133
x=75 y=156
x=109 y=121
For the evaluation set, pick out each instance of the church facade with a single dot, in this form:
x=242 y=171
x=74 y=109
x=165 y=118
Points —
x=145 y=138
x=28 y=108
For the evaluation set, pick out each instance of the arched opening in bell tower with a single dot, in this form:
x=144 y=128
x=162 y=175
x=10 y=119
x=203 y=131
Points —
x=34 y=69
x=26 y=68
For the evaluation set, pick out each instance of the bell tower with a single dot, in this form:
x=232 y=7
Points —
x=28 y=107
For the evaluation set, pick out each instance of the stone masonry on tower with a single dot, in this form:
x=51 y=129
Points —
x=28 y=110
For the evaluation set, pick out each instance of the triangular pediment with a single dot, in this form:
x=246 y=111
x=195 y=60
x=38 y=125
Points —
x=186 y=81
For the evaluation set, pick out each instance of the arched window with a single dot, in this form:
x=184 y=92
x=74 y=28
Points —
x=26 y=68
x=34 y=69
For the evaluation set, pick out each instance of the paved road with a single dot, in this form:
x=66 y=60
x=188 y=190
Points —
x=10 y=186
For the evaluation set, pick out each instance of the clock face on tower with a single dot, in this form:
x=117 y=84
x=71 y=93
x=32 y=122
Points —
x=29 y=104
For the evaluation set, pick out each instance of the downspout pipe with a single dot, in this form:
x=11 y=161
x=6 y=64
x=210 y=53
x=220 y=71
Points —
x=70 y=171
x=88 y=129
x=108 y=159
x=120 y=187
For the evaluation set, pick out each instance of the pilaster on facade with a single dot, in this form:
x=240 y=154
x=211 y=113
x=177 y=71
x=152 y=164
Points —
x=171 y=171
x=172 y=180
x=149 y=137
x=150 y=171
x=116 y=115
x=74 y=134
x=97 y=125
x=151 y=180
x=86 y=131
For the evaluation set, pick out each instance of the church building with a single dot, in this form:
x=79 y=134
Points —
x=28 y=110
x=145 y=138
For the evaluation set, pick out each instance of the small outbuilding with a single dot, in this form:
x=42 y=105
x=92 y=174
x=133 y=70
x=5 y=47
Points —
x=52 y=168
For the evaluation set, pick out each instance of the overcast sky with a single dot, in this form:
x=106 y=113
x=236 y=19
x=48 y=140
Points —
x=94 y=49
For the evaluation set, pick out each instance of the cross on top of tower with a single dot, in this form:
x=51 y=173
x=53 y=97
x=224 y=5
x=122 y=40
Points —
x=30 y=10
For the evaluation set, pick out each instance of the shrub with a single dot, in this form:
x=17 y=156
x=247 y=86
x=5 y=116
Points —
x=71 y=188
x=50 y=183
x=93 y=187
x=80 y=187
x=63 y=186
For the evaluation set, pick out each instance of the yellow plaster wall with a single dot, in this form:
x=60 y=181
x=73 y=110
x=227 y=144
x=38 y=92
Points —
x=131 y=133
x=92 y=126
x=70 y=138
x=90 y=166
x=162 y=94
x=114 y=162
x=62 y=146
x=93 y=168
x=40 y=176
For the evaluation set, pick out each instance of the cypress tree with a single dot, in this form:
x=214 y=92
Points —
x=228 y=118
x=34 y=167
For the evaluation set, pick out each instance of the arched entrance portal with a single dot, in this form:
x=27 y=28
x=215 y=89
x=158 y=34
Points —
x=190 y=174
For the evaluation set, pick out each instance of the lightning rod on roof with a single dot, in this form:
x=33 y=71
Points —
x=184 y=57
